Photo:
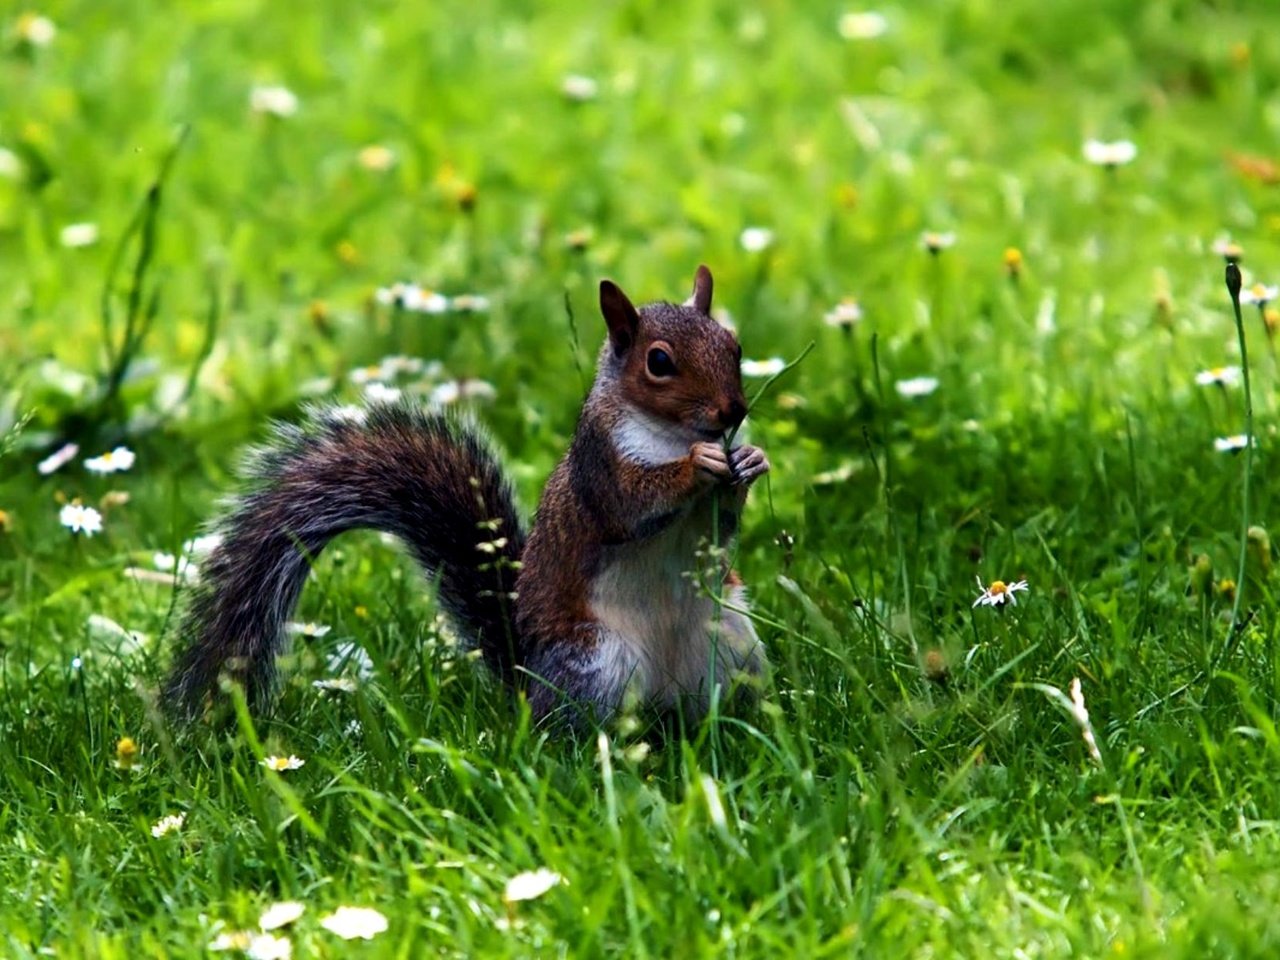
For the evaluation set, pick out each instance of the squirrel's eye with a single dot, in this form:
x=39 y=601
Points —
x=660 y=363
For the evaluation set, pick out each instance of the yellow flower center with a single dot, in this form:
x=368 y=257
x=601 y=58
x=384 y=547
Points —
x=1259 y=291
x=997 y=588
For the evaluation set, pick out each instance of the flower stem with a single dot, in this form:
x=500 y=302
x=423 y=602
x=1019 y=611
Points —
x=1233 y=288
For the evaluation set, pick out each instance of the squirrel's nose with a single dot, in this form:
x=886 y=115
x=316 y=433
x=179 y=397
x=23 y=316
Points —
x=733 y=414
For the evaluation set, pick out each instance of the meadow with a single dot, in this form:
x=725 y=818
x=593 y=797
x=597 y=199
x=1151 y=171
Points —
x=999 y=231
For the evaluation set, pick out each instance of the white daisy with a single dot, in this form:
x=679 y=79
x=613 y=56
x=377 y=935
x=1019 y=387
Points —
x=579 y=88
x=1221 y=376
x=397 y=364
x=58 y=459
x=10 y=164
x=763 y=368
x=1259 y=294
x=756 y=239
x=419 y=300
x=338 y=684
x=35 y=30
x=267 y=946
x=1228 y=249
x=530 y=885
x=275 y=100
x=1233 y=444
x=350 y=655
x=376 y=392
x=281 y=915
x=167 y=825
x=935 y=242
x=232 y=940
x=104 y=628
x=839 y=475
x=999 y=593
x=844 y=314
x=916 y=386
x=866 y=25
x=361 y=376
x=352 y=923
x=470 y=303
x=181 y=567
x=80 y=519
x=202 y=545
x=452 y=391
x=1080 y=713
x=281 y=764
x=113 y=461
x=308 y=629
x=376 y=158
x=78 y=235
x=1110 y=153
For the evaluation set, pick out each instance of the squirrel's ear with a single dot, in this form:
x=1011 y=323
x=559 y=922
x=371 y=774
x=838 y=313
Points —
x=620 y=315
x=700 y=299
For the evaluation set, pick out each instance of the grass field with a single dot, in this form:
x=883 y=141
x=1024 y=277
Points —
x=913 y=783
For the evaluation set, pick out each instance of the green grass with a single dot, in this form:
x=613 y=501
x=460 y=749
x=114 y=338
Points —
x=905 y=789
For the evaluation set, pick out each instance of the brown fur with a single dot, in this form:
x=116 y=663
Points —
x=636 y=478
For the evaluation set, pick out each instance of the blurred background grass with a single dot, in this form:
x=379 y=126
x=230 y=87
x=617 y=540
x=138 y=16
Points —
x=902 y=790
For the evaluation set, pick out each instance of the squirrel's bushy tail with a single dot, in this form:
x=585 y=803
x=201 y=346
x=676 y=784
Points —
x=424 y=477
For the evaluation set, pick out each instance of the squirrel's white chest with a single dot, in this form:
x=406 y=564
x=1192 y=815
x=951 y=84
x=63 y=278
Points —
x=661 y=633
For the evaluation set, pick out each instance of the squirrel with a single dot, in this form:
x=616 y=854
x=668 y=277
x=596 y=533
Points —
x=597 y=602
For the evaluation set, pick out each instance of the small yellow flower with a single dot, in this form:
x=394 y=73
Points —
x=1227 y=590
x=1012 y=260
x=6 y=522
x=847 y=195
x=465 y=195
x=126 y=753
x=578 y=240
x=347 y=253
x=936 y=667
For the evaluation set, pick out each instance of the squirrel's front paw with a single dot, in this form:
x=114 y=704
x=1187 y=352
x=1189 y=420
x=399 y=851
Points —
x=748 y=463
x=710 y=462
